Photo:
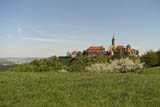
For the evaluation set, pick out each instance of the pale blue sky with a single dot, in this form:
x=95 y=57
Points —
x=42 y=28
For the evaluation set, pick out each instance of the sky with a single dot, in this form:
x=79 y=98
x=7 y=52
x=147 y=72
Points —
x=43 y=28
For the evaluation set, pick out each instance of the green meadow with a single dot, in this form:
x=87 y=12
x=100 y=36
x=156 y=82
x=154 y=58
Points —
x=79 y=89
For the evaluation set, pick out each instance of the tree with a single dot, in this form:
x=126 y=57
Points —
x=128 y=46
x=119 y=53
x=76 y=67
x=79 y=54
x=158 y=53
x=53 y=58
x=137 y=52
x=150 y=58
x=35 y=62
x=127 y=54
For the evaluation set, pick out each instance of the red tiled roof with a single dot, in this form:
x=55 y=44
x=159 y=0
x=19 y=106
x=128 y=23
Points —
x=95 y=48
x=120 y=46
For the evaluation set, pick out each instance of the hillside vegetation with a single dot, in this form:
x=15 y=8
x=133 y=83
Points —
x=80 y=63
x=101 y=63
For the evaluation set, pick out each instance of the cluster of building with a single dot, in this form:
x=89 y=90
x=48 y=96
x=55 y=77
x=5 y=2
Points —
x=94 y=51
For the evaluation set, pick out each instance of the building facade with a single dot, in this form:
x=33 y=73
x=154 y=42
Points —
x=94 y=51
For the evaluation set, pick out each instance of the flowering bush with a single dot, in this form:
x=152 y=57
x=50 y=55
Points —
x=63 y=70
x=121 y=65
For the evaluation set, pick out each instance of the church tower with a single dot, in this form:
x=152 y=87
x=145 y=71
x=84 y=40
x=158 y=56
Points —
x=114 y=42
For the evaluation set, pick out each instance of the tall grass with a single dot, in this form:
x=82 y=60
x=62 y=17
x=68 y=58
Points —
x=81 y=89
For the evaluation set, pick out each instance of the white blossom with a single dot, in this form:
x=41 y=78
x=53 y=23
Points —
x=121 y=65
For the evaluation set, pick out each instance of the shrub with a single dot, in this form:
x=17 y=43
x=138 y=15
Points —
x=76 y=67
x=62 y=70
x=121 y=65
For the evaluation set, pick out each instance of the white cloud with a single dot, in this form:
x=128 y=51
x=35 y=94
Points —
x=46 y=40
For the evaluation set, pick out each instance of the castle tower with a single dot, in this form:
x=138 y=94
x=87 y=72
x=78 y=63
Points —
x=114 y=42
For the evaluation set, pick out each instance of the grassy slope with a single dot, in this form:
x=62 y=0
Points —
x=154 y=70
x=78 y=89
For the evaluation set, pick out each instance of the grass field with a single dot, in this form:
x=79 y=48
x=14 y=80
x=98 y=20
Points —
x=50 y=89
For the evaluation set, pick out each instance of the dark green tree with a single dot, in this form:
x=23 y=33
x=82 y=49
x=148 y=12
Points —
x=150 y=58
x=158 y=53
x=119 y=53
x=128 y=46
x=79 y=54
x=137 y=52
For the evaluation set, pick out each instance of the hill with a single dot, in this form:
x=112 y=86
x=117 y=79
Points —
x=79 y=89
x=4 y=61
x=11 y=61
x=7 y=63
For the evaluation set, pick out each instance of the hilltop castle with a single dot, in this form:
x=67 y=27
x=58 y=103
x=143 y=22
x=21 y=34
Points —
x=113 y=49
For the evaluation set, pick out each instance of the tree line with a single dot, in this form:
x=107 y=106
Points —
x=80 y=62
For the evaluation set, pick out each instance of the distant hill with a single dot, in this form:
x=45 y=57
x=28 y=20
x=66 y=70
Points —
x=5 y=62
x=12 y=61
